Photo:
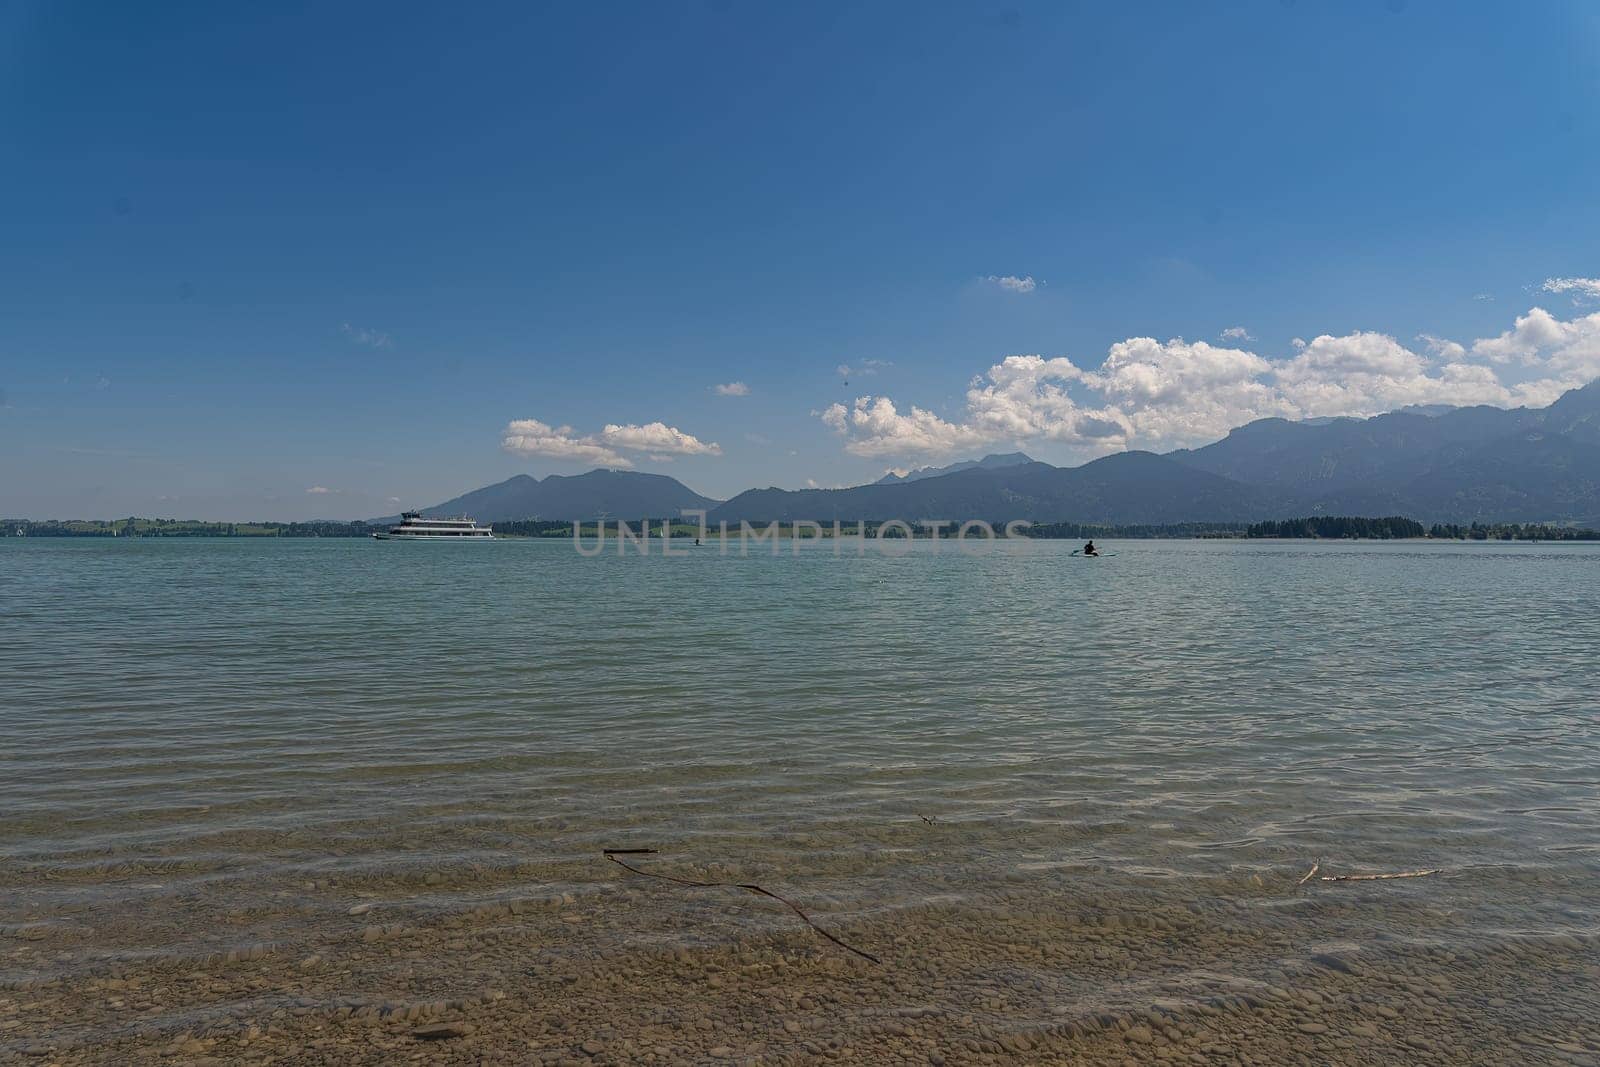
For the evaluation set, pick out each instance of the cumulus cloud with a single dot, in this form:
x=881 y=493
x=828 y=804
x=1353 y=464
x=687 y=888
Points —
x=1173 y=393
x=731 y=389
x=1532 y=333
x=1148 y=393
x=1578 y=287
x=1363 y=374
x=362 y=336
x=320 y=490
x=657 y=440
x=1023 y=397
x=530 y=437
x=877 y=428
x=1443 y=348
x=1013 y=284
x=1236 y=333
x=1568 y=352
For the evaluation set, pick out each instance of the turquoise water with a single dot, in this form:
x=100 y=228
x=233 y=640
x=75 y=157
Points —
x=208 y=725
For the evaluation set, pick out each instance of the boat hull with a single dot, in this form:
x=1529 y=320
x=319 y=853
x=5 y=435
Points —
x=432 y=537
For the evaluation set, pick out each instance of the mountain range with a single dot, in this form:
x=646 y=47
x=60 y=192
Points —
x=597 y=494
x=1459 y=465
x=989 y=462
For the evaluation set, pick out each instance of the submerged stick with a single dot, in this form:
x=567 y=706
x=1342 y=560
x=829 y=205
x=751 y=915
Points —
x=748 y=887
x=1315 y=867
x=1377 y=877
x=628 y=851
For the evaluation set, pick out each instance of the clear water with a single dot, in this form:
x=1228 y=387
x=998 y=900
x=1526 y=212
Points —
x=201 y=727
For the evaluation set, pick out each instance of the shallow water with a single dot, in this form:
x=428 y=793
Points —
x=215 y=743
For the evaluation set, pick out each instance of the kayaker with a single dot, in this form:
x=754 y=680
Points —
x=1090 y=550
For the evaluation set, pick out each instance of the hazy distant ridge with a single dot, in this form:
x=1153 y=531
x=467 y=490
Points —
x=989 y=462
x=1462 y=465
x=611 y=493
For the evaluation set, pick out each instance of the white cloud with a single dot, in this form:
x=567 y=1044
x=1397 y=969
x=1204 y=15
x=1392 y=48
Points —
x=530 y=437
x=1568 y=351
x=1013 y=284
x=362 y=336
x=657 y=440
x=1443 y=348
x=877 y=428
x=1024 y=396
x=731 y=389
x=1364 y=374
x=320 y=490
x=1533 y=332
x=1174 y=393
x=1578 y=287
x=1236 y=333
x=1153 y=394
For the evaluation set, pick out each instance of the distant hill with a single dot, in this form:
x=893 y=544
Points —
x=1128 y=488
x=1382 y=452
x=610 y=493
x=1462 y=465
x=1575 y=415
x=989 y=462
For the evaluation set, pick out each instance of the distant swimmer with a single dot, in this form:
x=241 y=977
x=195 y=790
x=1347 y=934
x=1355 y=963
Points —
x=1090 y=550
x=697 y=542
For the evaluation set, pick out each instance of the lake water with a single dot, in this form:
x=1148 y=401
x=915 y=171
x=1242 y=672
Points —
x=297 y=782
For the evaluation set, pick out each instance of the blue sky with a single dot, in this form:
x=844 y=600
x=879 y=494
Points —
x=396 y=251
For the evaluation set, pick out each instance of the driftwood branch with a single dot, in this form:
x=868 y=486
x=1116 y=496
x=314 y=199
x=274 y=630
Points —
x=749 y=887
x=1378 y=877
x=1315 y=867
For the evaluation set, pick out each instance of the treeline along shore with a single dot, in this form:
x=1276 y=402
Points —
x=1316 y=526
x=134 y=527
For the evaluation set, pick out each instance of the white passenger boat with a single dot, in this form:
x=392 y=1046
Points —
x=413 y=527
